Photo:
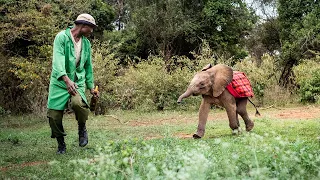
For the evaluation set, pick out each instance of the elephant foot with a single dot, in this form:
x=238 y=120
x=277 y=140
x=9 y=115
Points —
x=249 y=127
x=196 y=136
x=236 y=131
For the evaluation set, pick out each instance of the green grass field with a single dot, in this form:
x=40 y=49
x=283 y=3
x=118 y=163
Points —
x=133 y=145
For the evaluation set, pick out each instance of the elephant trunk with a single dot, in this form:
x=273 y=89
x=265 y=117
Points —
x=184 y=95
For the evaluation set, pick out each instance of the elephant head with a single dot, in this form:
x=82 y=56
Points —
x=211 y=81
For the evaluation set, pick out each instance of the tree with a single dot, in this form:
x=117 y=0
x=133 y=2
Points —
x=177 y=27
x=225 y=24
x=299 y=23
x=264 y=38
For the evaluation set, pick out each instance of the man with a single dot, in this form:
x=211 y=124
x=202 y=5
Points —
x=71 y=74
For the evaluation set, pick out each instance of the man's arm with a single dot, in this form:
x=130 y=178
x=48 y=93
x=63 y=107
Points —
x=58 y=62
x=89 y=71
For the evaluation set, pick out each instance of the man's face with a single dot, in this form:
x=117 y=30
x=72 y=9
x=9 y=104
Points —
x=86 y=30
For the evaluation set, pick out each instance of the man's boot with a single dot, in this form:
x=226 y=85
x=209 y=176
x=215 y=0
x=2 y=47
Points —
x=83 y=135
x=61 y=145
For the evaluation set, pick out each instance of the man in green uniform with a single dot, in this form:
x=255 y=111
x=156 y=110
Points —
x=71 y=74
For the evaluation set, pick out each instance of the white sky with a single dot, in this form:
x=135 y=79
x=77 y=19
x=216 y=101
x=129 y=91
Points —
x=270 y=11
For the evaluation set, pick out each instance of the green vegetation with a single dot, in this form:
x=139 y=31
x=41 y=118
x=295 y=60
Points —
x=144 y=54
x=135 y=145
x=139 y=42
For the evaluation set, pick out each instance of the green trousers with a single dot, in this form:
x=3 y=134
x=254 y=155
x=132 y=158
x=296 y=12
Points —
x=80 y=109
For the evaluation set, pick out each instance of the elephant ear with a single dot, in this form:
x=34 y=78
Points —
x=222 y=75
x=206 y=67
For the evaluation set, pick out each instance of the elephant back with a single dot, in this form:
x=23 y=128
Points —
x=240 y=85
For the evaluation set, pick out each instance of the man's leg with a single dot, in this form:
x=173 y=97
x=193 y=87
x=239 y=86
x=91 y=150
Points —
x=57 y=131
x=81 y=111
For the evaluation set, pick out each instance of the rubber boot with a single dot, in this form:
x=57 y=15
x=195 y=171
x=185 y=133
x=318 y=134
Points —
x=83 y=135
x=61 y=145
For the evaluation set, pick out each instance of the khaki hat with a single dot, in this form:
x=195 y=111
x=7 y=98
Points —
x=85 y=19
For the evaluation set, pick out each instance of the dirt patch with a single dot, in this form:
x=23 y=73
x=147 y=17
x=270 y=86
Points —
x=27 y=164
x=183 y=135
x=159 y=122
x=277 y=113
x=298 y=113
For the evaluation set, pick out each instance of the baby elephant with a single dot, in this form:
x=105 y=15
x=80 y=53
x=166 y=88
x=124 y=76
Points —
x=217 y=85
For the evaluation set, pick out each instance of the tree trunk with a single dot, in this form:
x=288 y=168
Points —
x=287 y=76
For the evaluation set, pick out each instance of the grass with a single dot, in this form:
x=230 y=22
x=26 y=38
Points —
x=157 y=145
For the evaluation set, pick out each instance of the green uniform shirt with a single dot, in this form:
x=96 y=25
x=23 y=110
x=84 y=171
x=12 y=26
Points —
x=64 y=64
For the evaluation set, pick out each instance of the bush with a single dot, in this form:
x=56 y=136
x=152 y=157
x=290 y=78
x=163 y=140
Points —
x=308 y=80
x=149 y=86
x=105 y=71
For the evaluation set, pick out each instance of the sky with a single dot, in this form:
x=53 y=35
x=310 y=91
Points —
x=270 y=12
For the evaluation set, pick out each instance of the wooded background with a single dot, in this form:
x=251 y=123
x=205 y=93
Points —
x=146 y=51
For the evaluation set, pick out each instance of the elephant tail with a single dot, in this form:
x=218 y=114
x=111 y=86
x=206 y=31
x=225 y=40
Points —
x=257 y=112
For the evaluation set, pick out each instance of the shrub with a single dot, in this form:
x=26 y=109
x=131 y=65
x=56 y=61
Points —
x=308 y=79
x=105 y=71
x=149 y=85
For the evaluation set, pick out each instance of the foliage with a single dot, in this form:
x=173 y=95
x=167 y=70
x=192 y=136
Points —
x=225 y=23
x=126 y=45
x=158 y=24
x=308 y=82
x=25 y=36
x=255 y=157
x=264 y=38
x=149 y=86
x=177 y=27
x=299 y=32
x=156 y=84
x=103 y=14
x=185 y=35
x=105 y=71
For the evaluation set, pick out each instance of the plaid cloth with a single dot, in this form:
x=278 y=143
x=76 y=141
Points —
x=240 y=85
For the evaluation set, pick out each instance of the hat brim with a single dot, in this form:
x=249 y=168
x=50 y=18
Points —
x=85 y=22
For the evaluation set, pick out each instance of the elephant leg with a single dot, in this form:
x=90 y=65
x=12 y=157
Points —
x=233 y=121
x=238 y=130
x=229 y=103
x=237 y=119
x=203 y=116
x=242 y=111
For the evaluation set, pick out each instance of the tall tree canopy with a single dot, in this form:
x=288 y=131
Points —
x=300 y=27
x=176 y=27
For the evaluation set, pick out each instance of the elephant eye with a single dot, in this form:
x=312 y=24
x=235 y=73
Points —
x=201 y=86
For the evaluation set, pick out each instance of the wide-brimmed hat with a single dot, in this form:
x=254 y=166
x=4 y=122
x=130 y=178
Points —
x=86 y=19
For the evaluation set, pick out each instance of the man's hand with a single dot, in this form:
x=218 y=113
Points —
x=71 y=86
x=94 y=93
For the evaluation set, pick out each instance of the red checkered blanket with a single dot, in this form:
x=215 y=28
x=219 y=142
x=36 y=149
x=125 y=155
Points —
x=240 y=85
